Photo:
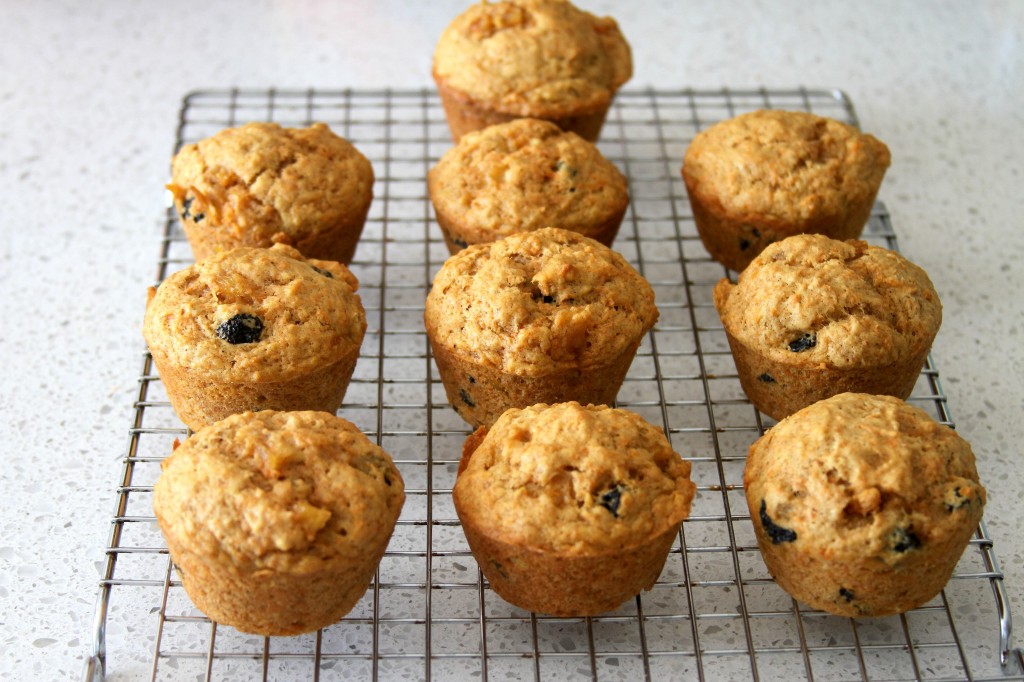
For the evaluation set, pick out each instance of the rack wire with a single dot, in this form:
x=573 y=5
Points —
x=714 y=614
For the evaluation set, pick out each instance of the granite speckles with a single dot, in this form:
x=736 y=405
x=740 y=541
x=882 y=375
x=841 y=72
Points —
x=88 y=127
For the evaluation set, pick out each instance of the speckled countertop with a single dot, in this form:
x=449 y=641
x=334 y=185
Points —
x=89 y=96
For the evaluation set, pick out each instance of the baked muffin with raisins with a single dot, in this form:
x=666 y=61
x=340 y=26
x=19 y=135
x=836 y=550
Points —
x=276 y=521
x=571 y=510
x=522 y=176
x=261 y=184
x=763 y=176
x=544 y=316
x=255 y=329
x=862 y=504
x=812 y=317
x=499 y=61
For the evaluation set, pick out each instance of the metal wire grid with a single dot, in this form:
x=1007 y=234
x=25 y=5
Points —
x=715 y=612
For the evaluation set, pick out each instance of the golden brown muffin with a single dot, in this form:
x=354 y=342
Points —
x=277 y=520
x=261 y=184
x=862 y=504
x=571 y=510
x=766 y=175
x=812 y=317
x=255 y=329
x=544 y=316
x=525 y=175
x=530 y=58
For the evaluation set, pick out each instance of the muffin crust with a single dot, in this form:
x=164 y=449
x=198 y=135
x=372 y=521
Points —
x=813 y=316
x=538 y=302
x=862 y=504
x=261 y=184
x=277 y=520
x=530 y=58
x=521 y=176
x=311 y=326
x=595 y=490
x=545 y=316
x=766 y=175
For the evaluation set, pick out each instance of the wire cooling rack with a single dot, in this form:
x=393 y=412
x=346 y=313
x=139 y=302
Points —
x=715 y=612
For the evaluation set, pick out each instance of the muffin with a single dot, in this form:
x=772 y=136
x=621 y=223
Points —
x=766 y=175
x=277 y=520
x=255 y=329
x=530 y=58
x=545 y=316
x=862 y=505
x=261 y=184
x=525 y=175
x=571 y=510
x=812 y=317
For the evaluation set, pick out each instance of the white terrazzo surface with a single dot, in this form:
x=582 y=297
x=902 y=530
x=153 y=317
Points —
x=89 y=95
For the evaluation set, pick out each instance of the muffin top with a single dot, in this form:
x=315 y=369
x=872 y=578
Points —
x=270 y=184
x=812 y=299
x=789 y=165
x=525 y=175
x=539 y=302
x=574 y=480
x=253 y=314
x=542 y=58
x=858 y=476
x=284 y=491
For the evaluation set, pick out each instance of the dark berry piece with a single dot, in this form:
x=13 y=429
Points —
x=537 y=295
x=610 y=500
x=472 y=379
x=777 y=534
x=903 y=539
x=572 y=171
x=804 y=342
x=846 y=594
x=242 y=328
x=957 y=500
x=186 y=210
x=465 y=397
x=461 y=243
x=747 y=241
x=325 y=273
x=766 y=378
